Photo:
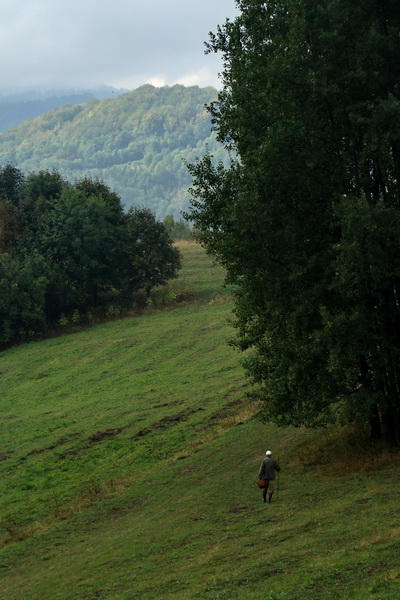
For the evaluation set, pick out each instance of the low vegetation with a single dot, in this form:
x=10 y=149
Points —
x=129 y=454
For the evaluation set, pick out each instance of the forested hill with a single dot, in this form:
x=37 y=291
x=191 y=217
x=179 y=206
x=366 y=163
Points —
x=137 y=143
x=18 y=107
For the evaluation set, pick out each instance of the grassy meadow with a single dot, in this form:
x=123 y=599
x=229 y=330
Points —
x=128 y=459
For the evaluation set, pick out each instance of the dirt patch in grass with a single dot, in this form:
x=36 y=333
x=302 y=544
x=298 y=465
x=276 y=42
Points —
x=166 y=422
x=175 y=403
x=106 y=434
x=60 y=442
x=163 y=423
x=99 y=436
x=226 y=410
x=68 y=454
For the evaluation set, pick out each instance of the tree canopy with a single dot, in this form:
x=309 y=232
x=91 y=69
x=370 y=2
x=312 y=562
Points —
x=66 y=249
x=306 y=218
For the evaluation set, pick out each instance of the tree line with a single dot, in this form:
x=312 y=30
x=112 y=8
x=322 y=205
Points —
x=306 y=218
x=68 y=249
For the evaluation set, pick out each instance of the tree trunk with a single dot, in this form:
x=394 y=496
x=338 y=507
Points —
x=391 y=412
x=375 y=424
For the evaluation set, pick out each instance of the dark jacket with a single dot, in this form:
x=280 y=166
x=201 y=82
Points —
x=268 y=468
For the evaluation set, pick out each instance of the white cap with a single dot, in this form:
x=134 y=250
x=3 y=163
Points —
x=268 y=453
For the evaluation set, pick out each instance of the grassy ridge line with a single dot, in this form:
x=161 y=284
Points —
x=174 y=513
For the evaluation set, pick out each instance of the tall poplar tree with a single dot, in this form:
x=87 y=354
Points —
x=307 y=217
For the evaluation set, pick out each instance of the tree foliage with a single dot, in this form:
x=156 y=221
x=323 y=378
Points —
x=22 y=297
x=136 y=143
x=65 y=249
x=306 y=218
x=150 y=257
x=178 y=230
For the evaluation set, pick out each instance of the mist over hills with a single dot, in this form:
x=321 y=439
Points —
x=137 y=143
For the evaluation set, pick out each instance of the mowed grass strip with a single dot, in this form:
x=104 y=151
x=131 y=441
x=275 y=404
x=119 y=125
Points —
x=129 y=464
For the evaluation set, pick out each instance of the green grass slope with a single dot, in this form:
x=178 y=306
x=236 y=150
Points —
x=128 y=463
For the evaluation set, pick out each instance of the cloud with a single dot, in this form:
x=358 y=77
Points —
x=202 y=77
x=80 y=43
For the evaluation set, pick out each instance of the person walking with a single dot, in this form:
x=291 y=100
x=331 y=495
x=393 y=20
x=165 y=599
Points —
x=267 y=472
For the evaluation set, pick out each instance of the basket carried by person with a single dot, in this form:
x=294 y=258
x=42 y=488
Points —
x=262 y=483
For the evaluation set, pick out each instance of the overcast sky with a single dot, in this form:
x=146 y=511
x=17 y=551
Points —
x=123 y=43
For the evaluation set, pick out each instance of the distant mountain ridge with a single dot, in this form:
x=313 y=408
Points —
x=137 y=143
x=19 y=107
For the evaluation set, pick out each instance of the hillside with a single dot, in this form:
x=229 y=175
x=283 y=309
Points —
x=137 y=143
x=19 y=107
x=129 y=455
